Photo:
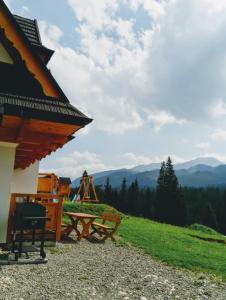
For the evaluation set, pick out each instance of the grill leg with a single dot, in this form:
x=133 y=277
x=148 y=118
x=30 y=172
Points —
x=14 y=241
x=42 y=252
x=33 y=237
x=21 y=242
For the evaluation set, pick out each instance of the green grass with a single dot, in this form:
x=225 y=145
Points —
x=177 y=246
x=93 y=209
x=203 y=228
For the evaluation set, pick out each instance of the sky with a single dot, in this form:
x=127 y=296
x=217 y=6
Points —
x=151 y=73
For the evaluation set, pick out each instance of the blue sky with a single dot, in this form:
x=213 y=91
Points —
x=151 y=73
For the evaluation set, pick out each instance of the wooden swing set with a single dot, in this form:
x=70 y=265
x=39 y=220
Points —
x=86 y=191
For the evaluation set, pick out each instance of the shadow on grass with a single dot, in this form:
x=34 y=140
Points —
x=208 y=239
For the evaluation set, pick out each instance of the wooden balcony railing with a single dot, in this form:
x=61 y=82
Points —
x=53 y=204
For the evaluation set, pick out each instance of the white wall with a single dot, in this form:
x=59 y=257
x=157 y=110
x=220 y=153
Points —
x=4 y=56
x=7 y=158
x=25 y=181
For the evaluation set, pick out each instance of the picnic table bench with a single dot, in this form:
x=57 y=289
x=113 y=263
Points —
x=85 y=220
x=107 y=230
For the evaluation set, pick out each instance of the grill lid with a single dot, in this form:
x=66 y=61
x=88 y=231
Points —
x=29 y=216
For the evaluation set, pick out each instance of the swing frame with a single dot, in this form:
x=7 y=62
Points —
x=85 y=189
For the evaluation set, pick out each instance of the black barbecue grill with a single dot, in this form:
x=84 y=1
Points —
x=29 y=225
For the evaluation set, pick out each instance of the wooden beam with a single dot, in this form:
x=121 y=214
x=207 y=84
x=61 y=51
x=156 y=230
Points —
x=23 y=129
x=22 y=136
x=8 y=134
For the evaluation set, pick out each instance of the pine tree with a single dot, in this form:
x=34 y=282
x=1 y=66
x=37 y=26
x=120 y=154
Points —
x=222 y=213
x=170 y=203
x=148 y=204
x=209 y=217
x=161 y=203
x=123 y=203
x=133 y=198
x=107 y=192
x=100 y=193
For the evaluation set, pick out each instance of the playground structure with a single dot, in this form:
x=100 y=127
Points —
x=86 y=191
x=49 y=183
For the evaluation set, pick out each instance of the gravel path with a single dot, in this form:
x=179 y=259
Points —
x=87 y=270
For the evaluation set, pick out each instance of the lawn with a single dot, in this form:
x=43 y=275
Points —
x=177 y=246
x=94 y=209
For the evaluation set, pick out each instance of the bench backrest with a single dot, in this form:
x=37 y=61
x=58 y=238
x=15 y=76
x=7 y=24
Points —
x=107 y=217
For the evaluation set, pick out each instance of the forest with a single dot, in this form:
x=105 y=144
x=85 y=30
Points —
x=169 y=202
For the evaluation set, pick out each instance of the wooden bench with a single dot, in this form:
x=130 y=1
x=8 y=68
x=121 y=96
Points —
x=107 y=231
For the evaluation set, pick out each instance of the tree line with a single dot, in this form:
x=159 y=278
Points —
x=169 y=202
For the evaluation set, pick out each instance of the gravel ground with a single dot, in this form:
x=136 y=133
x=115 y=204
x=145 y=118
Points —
x=95 y=271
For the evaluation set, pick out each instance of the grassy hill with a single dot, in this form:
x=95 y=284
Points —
x=181 y=247
x=177 y=246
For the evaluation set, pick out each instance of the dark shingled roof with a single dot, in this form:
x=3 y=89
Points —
x=17 y=99
x=37 y=51
x=48 y=108
x=65 y=180
x=30 y=28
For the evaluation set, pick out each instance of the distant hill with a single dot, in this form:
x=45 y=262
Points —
x=201 y=172
x=208 y=161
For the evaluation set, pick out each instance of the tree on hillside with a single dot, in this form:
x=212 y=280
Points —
x=100 y=193
x=221 y=214
x=161 y=203
x=122 y=199
x=209 y=217
x=170 y=203
x=108 y=192
x=133 y=198
x=148 y=204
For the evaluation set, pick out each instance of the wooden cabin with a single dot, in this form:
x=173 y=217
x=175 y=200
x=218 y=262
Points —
x=64 y=188
x=47 y=183
x=36 y=117
x=50 y=183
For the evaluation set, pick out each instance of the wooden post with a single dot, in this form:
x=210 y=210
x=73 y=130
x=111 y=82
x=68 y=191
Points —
x=59 y=219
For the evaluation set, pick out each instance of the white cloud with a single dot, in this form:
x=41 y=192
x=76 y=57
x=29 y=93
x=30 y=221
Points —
x=162 y=118
x=174 y=70
x=95 y=13
x=218 y=109
x=221 y=158
x=134 y=159
x=219 y=135
x=24 y=10
x=91 y=83
x=154 y=8
x=202 y=145
x=187 y=59
x=75 y=164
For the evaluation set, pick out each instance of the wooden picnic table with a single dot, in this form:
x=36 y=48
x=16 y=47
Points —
x=85 y=220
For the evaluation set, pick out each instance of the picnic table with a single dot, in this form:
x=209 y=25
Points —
x=85 y=220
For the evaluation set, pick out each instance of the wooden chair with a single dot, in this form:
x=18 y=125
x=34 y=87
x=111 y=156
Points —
x=104 y=230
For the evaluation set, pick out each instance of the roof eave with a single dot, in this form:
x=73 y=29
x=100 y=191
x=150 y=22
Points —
x=29 y=113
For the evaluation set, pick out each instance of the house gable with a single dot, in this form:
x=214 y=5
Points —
x=17 y=79
x=33 y=61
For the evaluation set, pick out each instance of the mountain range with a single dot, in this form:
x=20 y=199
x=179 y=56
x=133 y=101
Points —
x=200 y=172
